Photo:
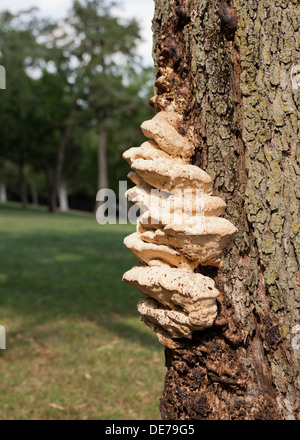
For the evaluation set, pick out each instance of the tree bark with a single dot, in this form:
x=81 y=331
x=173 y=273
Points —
x=227 y=69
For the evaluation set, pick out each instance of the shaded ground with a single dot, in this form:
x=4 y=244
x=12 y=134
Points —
x=75 y=346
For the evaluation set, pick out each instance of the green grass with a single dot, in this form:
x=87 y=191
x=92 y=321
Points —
x=76 y=348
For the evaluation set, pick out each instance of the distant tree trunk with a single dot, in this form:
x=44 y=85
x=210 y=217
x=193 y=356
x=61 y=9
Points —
x=52 y=194
x=23 y=186
x=102 y=162
x=102 y=159
x=61 y=154
x=63 y=197
x=235 y=93
x=34 y=193
x=59 y=166
x=3 y=194
x=52 y=199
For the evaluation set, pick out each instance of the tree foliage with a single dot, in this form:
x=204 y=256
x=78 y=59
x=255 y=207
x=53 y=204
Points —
x=67 y=83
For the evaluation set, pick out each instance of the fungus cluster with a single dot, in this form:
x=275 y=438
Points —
x=179 y=229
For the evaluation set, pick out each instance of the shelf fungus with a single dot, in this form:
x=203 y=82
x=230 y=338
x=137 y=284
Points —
x=179 y=229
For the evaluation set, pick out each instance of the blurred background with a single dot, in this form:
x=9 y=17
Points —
x=79 y=76
x=78 y=82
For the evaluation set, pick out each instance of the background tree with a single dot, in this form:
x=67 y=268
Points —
x=75 y=97
x=105 y=49
x=229 y=74
x=54 y=120
x=18 y=44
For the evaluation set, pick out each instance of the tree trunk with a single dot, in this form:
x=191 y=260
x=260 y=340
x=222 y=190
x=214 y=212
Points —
x=23 y=186
x=227 y=69
x=102 y=163
x=52 y=194
x=60 y=164
x=3 y=193
x=34 y=193
x=63 y=197
x=52 y=198
x=102 y=159
x=66 y=132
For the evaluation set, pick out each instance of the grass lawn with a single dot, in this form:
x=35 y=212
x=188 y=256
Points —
x=76 y=348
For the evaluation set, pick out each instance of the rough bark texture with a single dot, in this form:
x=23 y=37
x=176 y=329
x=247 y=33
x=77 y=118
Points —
x=226 y=67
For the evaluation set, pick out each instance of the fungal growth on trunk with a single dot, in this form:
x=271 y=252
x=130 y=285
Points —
x=179 y=229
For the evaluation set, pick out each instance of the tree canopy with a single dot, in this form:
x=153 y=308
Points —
x=74 y=100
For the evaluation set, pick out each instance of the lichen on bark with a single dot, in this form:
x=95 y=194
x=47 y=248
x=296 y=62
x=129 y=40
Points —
x=239 y=109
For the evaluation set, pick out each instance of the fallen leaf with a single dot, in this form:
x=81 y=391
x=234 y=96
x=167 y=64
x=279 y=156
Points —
x=83 y=405
x=87 y=376
x=55 y=406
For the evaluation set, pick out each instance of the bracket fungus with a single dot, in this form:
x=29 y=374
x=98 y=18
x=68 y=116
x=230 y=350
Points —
x=179 y=229
x=171 y=176
x=162 y=129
